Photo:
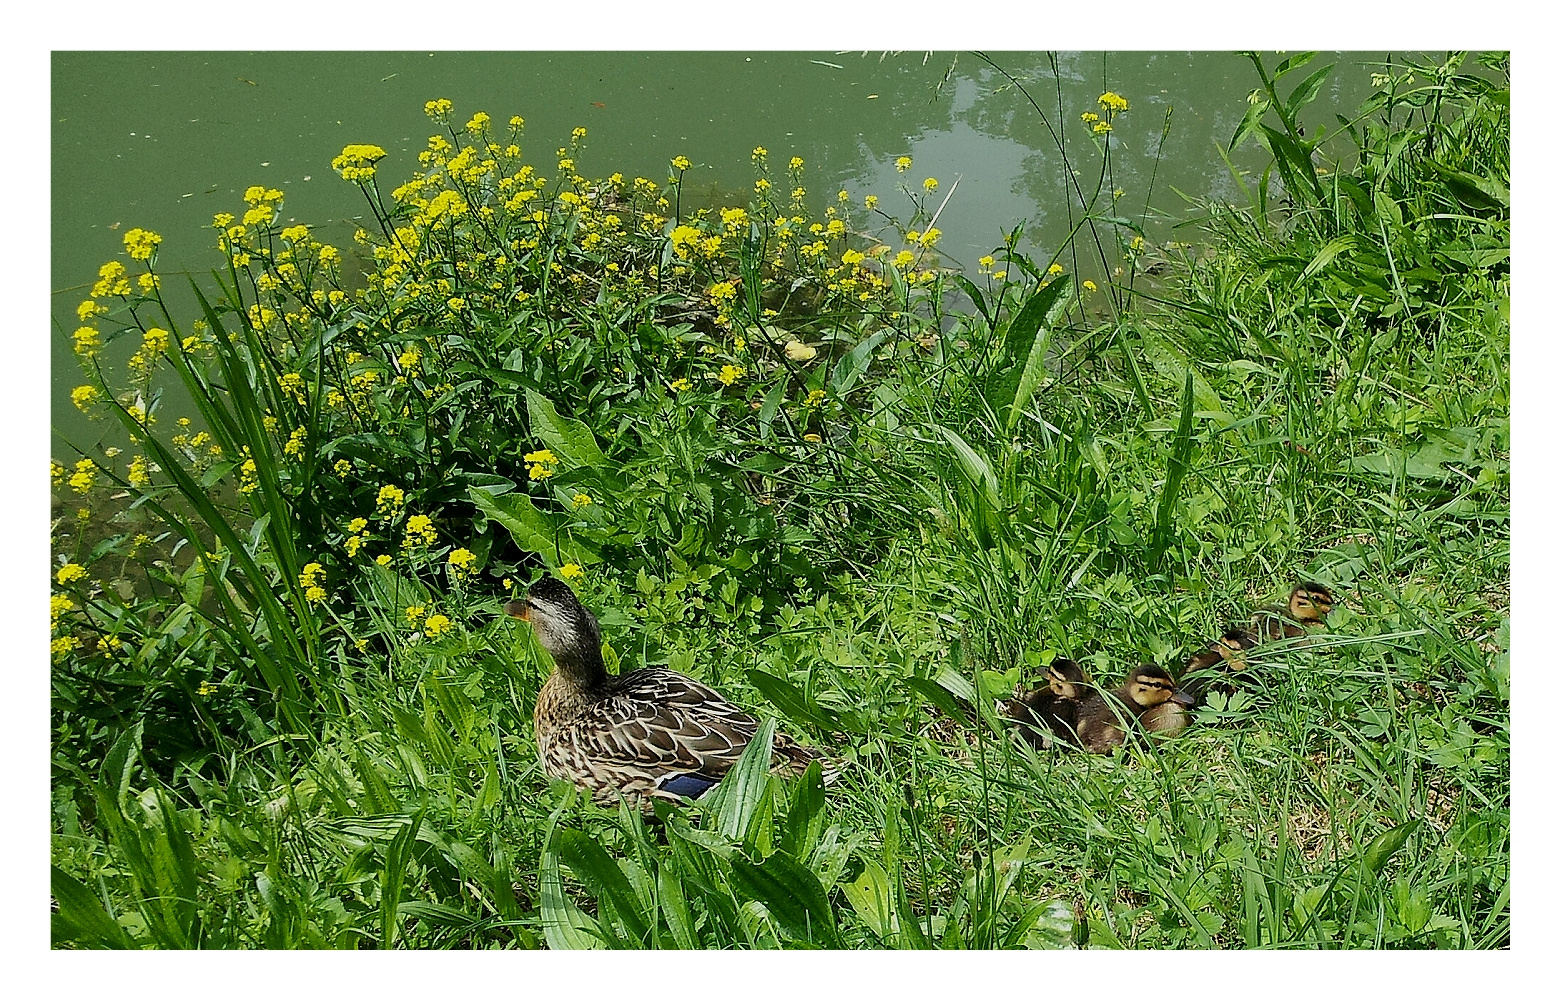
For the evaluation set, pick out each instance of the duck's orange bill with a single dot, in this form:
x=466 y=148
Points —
x=518 y=609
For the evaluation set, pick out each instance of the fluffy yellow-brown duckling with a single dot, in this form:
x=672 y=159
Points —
x=1103 y=719
x=1051 y=710
x=1211 y=669
x=1309 y=604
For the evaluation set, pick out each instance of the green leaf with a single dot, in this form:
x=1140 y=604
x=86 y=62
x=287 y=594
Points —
x=804 y=818
x=852 y=366
x=1179 y=465
x=766 y=413
x=939 y=696
x=498 y=889
x=1381 y=849
x=872 y=897
x=604 y=880
x=564 y=927
x=1254 y=112
x=571 y=440
x=81 y=918
x=532 y=529
x=1477 y=193
x=392 y=880
x=1306 y=92
x=974 y=294
x=736 y=798
x=792 y=894
x=1050 y=309
x=1325 y=256
x=120 y=761
x=791 y=701
x=1020 y=364
x=674 y=906
x=976 y=469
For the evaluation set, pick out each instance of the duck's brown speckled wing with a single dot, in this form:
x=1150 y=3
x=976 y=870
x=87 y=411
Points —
x=649 y=729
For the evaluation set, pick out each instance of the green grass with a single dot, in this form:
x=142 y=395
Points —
x=869 y=546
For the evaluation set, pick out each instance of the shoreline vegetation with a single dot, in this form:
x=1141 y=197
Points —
x=784 y=448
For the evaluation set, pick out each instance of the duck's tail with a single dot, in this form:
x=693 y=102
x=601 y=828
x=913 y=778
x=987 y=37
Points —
x=791 y=759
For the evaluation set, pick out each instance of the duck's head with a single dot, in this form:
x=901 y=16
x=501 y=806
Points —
x=1233 y=642
x=1310 y=602
x=564 y=628
x=1066 y=678
x=1150 y=685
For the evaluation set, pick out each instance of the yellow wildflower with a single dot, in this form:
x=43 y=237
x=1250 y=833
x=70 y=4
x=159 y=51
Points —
x=310 y=579
x=69 y=573
x=141 y=243
x=356 y=162
x=571 y=571
x=435 y=625
x=390 y=500
x=462 y=562
x=86 y=473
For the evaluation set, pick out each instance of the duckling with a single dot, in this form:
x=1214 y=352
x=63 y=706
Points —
x=648 y=734
x=1309 y=604
x=1052 y=709
x=1103 y=718
x=1199 y=675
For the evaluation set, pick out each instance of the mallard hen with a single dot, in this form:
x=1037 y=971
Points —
x=647 y=734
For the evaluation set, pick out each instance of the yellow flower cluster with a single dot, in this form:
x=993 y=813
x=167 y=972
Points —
x=1113 y=102
x=571 y=571
x=390 y=500
x=111 y=281
x=141 y=243
x=357 y=160
x=139 y=473
x=436 y=625
x=357 y=534
x=248 y=477
x=310 y=580
x=419 y=532
x=85 y=475
x=539 y=464
x=729 y=374
x=69 y=573
x=462 y=563
x=84 y=396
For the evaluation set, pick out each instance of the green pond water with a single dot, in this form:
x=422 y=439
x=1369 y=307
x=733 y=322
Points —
x=166 y=140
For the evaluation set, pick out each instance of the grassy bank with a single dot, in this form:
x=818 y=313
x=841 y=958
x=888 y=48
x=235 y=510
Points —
x=783 y=448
